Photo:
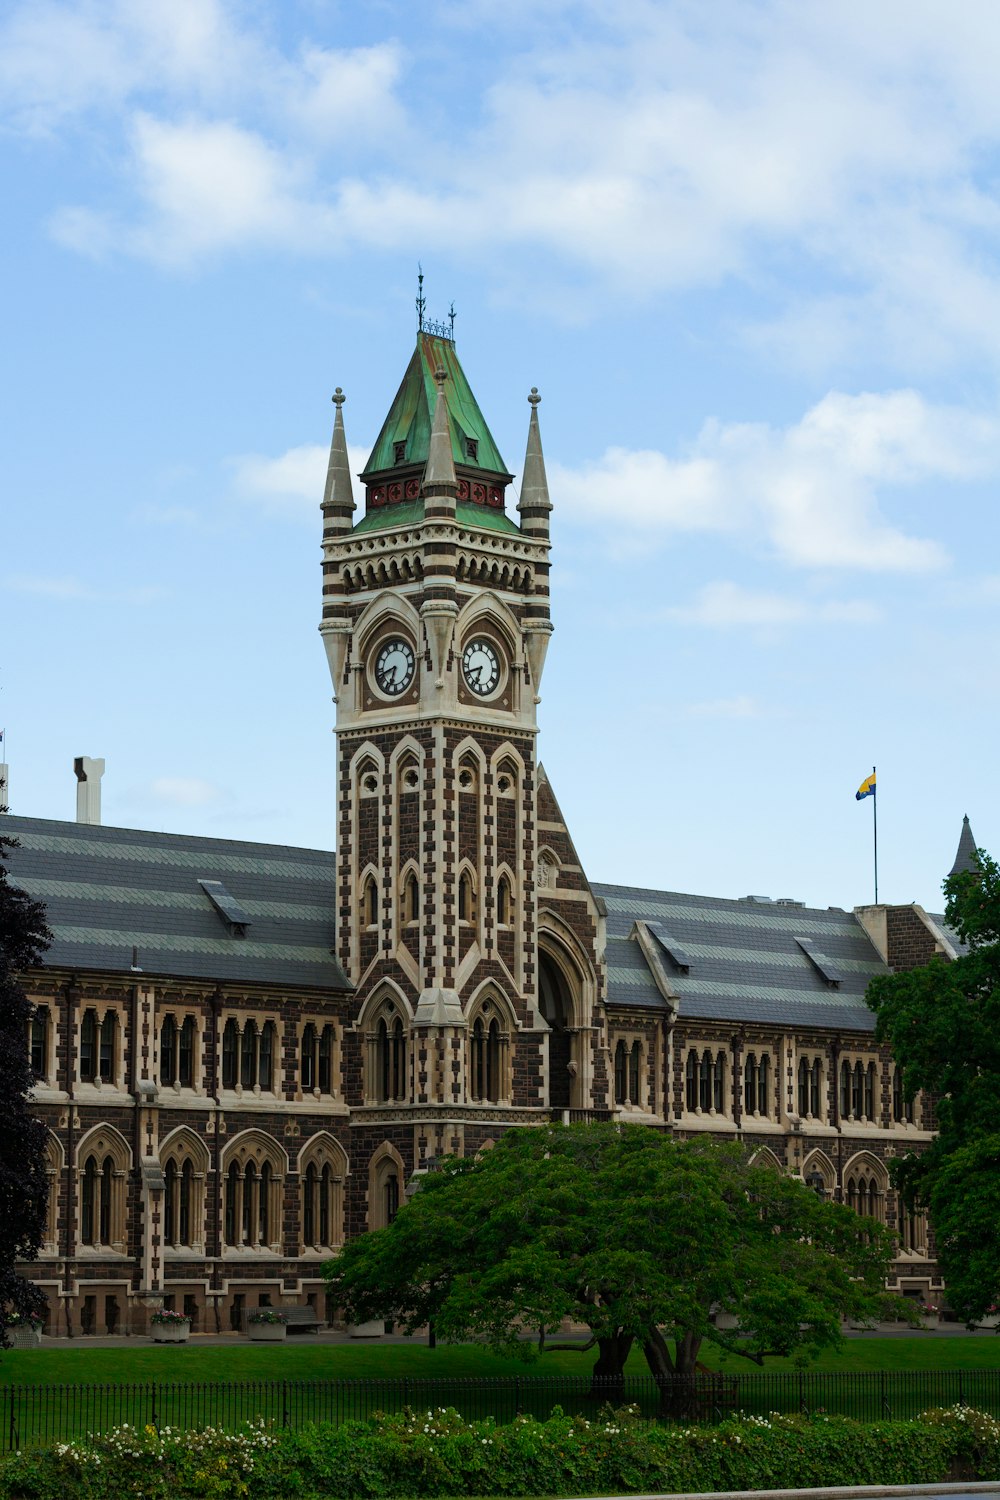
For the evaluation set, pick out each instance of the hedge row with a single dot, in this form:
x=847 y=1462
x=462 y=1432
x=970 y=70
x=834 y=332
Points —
x=440 y=1454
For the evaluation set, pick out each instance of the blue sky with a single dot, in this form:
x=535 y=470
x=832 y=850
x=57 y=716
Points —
x=748 y=252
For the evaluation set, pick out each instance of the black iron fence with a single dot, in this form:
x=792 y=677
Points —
x=34 y=1415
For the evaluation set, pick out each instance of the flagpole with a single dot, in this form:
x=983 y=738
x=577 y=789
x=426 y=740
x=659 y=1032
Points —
x=875 y=831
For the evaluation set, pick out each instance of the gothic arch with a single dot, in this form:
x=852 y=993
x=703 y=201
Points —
x=765 y=1157
x=407 y=747
x=257 y=1146
x=105 y=1140
x=322 y=1166
x=385 y=994
x=184 y=1143
x=558 y=941
x=386 y=1183
x=323 y=1147
x=490 y=608
x=55 y=1161
x=818 y=1162
x=865 y=1161
x=387 y=607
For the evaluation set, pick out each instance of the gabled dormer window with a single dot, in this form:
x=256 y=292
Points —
x=472 y=449
x=399 y=453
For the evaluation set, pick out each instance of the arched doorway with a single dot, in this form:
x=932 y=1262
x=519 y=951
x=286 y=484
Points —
x=556 y=1005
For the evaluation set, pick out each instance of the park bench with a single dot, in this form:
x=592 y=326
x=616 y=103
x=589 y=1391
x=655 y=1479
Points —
x=303 y=1319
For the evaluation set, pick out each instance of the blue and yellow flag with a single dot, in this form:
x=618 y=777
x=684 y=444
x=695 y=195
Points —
x=866 y=789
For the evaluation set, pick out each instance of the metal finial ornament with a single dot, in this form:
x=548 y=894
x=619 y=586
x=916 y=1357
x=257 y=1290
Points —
x=534 y=398
x=338 y=398
x=421 y=299
x=451 y=321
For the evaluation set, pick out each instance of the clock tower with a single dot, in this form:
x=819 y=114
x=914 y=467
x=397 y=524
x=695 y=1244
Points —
x=464 y=921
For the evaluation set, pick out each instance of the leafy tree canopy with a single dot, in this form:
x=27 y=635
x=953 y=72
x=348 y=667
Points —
x=23 y=1187
x=943 y=1024
x=636 y=1235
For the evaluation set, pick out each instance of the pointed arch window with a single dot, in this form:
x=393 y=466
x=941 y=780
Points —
x=411 y=898
x=466 y=898
x=757 y=1084
x=903 y=1111
x=102 y=1201
x=369 y=902
x=505 y=902
x=322 y=1204
x=390 y=1059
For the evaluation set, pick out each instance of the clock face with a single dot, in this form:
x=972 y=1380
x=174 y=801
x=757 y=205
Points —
x=481 y=666
x=394 y=667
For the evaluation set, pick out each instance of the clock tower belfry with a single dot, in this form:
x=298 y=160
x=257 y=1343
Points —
x=436 y=624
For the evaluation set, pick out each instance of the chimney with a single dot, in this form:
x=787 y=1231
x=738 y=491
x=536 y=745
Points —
x=88 y=789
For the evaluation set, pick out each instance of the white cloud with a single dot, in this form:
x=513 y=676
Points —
x=293 y=482
x=723 y=605
x=813 y=490
x=184 y=791
x=49 y=586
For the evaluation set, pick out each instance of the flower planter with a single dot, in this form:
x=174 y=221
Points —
x=24 y=1338
x=372 y=1330
x=267 y=1333
x=171 y=1333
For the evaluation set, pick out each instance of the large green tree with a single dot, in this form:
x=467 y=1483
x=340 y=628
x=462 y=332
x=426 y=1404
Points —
x=642 y=1238
x=23 y=1186
x=943 y=1024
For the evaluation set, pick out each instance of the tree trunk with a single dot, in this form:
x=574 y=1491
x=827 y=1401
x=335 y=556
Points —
x=675 y=1377
x=608 y=1374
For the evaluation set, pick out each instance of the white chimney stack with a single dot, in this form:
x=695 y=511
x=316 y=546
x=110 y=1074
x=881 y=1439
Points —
x=88 y=788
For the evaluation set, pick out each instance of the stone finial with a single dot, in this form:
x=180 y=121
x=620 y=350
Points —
x=534 y=500
x=338 y=495
x=439 y=475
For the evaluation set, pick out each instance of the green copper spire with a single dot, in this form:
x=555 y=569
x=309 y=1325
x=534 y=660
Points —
x=406 y=432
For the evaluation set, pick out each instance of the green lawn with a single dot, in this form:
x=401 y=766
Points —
x=303 y=1360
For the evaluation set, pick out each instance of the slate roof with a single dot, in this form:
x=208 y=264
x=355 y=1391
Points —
x=107 y=890
x=740 y=960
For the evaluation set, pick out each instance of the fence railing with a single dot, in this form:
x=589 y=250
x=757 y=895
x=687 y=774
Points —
x=32 y=1416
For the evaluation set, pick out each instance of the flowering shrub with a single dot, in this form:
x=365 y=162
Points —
x=165 y=1318
x=267 y=1315
x=24 y=1320
x=438 y=1453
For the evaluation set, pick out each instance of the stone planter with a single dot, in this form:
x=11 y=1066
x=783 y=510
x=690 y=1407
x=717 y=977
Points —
x=267 y=1333
x=24 y=1338
x=170 y=1333
x=372 y=1330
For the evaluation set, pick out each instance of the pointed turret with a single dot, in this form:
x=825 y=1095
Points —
x=534 y=505
x=397 y=468
x=440 y=484
x=338 y=496
x=965 y=859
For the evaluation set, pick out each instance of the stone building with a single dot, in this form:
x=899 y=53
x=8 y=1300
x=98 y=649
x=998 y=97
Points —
x=244 y=1053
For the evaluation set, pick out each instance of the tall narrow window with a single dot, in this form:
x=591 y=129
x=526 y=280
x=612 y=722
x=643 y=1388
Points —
x=369 y=903
x=398 y=1061
x=309 y=1207
x=391 y=1200
x=250 y=1204
x=248 y=1055
x=691 y=1079
x=186 y=1199
x=232 y=1202
x=168 y=1050
x=185 y=1062
x=464 y=897
x=265 y=1070
x=634 y=1072
x=88 y=1198
x=88 y=1047
x=858 y=1091
x=478 y=1059
x=230 y=1054
x=705 y=1073
x=803 y=1093
x=764 y=1085
x=718 y=1083
x=325 y=1195
x=308 y=1058
x=621 y=1073
x=870 y=1092
x=109 y=1036
x=170 y=1202
x=40 y=1042
x=503 y=902
x=326 y=1060
x=264 y=1206
x=750 y=1083
x=411 y=899
x=815 y=1085
x=493 y=1063
x=107 y=1177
